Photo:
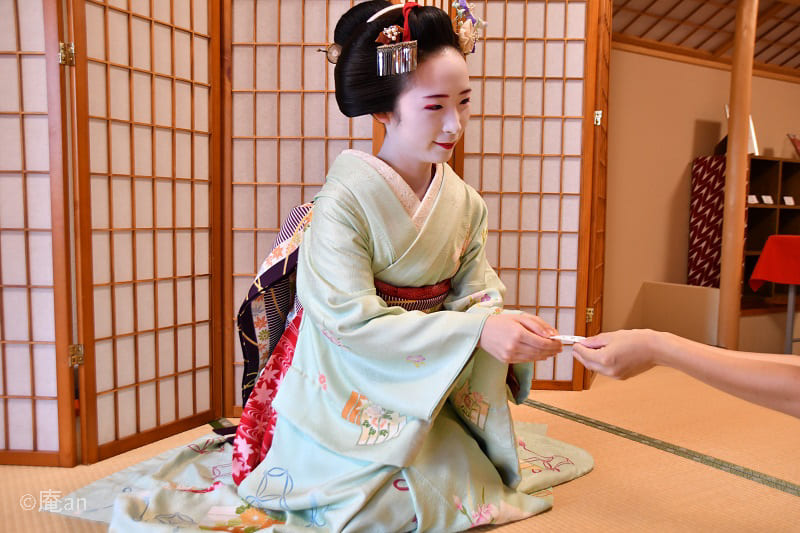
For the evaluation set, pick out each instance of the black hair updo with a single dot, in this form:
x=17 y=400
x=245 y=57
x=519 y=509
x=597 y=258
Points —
x=359 y=89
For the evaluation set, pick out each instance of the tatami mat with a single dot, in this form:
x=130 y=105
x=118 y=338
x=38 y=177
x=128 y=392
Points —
x=667 y=405
x=633 y=487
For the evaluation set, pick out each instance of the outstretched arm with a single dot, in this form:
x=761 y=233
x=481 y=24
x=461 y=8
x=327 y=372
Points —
x=765 y=379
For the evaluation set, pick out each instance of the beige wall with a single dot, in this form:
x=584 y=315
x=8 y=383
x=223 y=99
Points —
x=662 y=114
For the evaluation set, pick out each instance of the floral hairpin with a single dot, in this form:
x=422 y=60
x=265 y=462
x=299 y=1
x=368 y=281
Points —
x=468 y=25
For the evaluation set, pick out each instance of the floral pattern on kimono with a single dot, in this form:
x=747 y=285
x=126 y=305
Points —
x=257 y=424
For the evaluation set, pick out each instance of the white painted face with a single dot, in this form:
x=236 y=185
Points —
x=430 y=115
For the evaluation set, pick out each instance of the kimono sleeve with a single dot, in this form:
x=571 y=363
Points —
x=402 y=360
x=476 y=287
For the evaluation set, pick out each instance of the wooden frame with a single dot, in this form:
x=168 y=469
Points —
x=172 y=326
x=59 y=224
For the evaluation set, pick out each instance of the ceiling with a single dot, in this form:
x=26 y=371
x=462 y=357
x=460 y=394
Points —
x=703 y=32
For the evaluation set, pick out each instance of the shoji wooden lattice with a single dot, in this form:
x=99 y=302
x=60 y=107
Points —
x=36 y=414
x=523 y=151
x=145 y=85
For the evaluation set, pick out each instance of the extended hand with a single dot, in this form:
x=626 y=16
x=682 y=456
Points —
x=620 y=354
x=518 y=338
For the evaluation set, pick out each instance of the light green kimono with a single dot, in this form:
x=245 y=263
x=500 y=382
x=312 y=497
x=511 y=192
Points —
x=366 y=438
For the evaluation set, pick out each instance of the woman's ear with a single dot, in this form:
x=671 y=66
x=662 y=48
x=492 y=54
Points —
x=384 y=117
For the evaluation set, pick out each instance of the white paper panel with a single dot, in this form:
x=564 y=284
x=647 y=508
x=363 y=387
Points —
x=43 y=306
x=146 y=355
x=203 y=390
x=201 y=157
x=183 y=245
x=102 y=311
x=143 y=199
x=184 y=299
x=548 y=250
x=12 y=246
x=162 y=41
x=18 y=367
x=9 y=92
x=569 y=251
x=15 y=314
x=12 y=215
x=126 y=367
x=563 y=363
x=95 y=40
x=147 y=406
x=10 y=143
x=162 y=92
x=183 y=54
x=202 y=345
x=46 y=424
x=37 y=143
x=243 y=260
x=165 y=303
x=163 y=203
x=140 y=43
x=164 y=254
x=202 y=297
x=123 y=307
x=200 y=14
x=38 y=211
x=44 y=365
x=511 y=174
x=117 y=37
x=185 y=394
x=166 y=352
x=106 y=417
x=104 y=371
x=142 y=149
x=166 y=389
x=183 y=158
x=200 y=63
x=98 y=155
x=145 y=303
x=184 y=348
x=201 y=252
x=34 y=84
x=20 y=424
x=126 y=412
x=144 y=255
x=529 y=249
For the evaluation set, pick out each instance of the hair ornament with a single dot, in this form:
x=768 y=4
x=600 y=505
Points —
x=468 y=25
x=389 y=35
x=396 y=57
x=332 y=52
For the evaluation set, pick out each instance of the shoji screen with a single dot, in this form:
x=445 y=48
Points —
x=36 y=412
x=523 y=152
x=144 y=89
x=286 y=130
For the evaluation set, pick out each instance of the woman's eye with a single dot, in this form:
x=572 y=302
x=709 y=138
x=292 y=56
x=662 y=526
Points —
x=433 y=107
x=465 y=101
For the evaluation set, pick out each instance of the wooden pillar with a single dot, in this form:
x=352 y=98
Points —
x=730 y=285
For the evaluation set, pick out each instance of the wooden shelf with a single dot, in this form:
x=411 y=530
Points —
x=777 y=178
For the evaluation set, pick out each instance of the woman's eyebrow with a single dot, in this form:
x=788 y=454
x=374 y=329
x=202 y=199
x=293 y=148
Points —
x=465 y=91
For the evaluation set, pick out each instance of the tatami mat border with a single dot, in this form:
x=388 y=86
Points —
x=720 y=464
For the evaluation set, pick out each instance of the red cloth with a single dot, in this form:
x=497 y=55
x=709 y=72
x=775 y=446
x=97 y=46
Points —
x=779 y=262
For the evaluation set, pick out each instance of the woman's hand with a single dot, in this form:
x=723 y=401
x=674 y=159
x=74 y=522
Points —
x=512 y=338
x=620 y=354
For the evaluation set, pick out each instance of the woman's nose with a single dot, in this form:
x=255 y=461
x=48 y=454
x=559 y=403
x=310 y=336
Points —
x=452 y=122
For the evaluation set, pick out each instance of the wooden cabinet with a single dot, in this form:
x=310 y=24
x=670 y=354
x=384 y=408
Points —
x=776 y=178
x=768 y=176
